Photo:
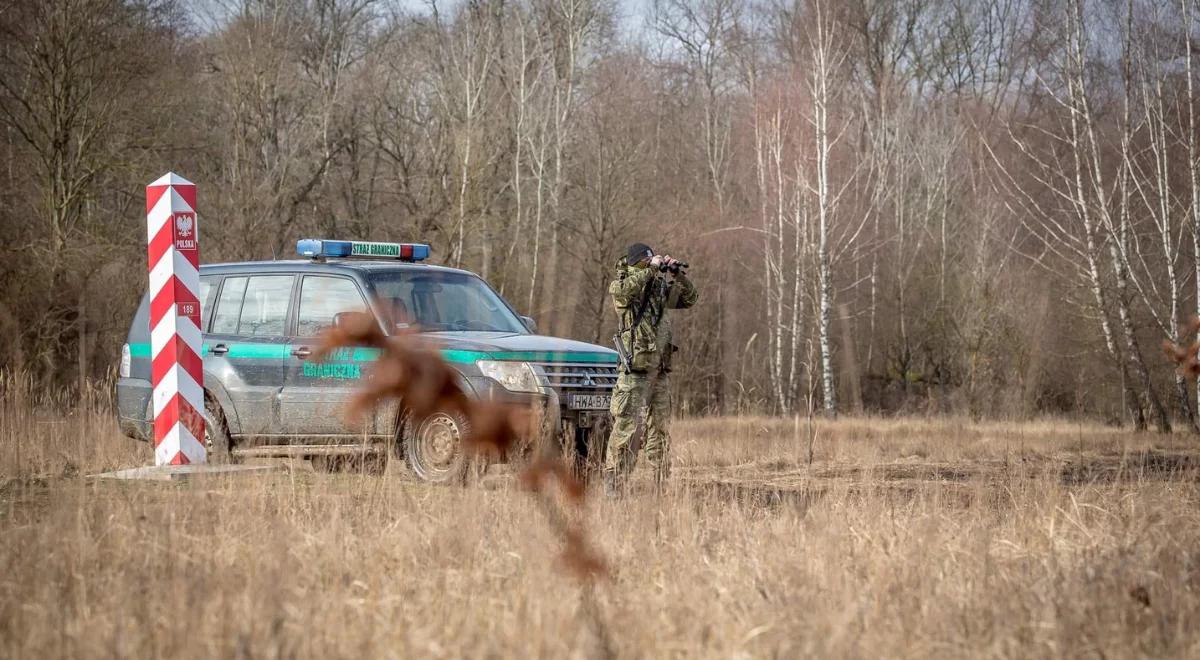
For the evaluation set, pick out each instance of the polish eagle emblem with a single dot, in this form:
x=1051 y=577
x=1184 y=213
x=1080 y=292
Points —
x=184 y=223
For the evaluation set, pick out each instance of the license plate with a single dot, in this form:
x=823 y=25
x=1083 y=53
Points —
x=589 y=401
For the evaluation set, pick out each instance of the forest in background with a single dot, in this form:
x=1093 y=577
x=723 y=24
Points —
x=981 y=207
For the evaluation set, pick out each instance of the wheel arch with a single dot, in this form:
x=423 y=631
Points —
x=215 y=391
x=400 y=415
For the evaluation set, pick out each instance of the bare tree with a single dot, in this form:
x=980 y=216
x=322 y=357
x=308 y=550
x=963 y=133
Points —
x=787 y=244
x=1193 y=166
x=571 y=26
x=942 y=172
x=71 y=73
x=467 y=51
x=827 y=59
x=705 y=32
x=1145 y=81
x=1078 y=180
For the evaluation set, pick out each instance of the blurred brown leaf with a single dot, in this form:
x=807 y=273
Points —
x=1140 y=594
x=1185 y=356
x=538 y=475
x=415 y=373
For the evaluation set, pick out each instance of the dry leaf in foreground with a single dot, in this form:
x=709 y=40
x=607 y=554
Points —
x=1185 y=357
x=414 y=373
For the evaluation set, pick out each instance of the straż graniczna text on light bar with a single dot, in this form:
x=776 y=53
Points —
x=319 y=248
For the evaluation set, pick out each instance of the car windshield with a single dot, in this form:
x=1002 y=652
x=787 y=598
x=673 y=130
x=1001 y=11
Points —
x=444 y=302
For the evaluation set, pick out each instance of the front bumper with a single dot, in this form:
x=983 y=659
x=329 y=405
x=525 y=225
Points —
x=557 y=421
x=133 y=407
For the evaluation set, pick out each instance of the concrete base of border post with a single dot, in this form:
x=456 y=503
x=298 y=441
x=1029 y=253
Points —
x=186 y=472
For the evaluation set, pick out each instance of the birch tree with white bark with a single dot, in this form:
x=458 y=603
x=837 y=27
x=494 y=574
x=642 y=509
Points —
x=466 y=56
x=1146 y=182
x=822 y=84
x=786 y=244
x=1187 y=10
x=1067 y=198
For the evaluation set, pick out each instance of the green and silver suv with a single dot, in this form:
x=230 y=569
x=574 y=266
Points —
x=265 y=396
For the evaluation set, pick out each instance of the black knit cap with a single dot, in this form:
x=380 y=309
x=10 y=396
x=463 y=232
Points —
x=637 y=252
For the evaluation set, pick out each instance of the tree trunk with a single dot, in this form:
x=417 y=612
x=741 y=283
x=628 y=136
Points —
x=821 y=73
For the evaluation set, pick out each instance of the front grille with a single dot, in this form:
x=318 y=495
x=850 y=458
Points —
x=575 y=377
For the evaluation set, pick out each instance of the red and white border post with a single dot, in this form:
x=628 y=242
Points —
x=177 y=371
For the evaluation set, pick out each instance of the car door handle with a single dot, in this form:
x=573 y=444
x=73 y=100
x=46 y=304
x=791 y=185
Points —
x=220 y=349
x=302 y=352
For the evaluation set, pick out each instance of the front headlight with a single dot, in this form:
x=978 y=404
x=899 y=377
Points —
x=514 y=376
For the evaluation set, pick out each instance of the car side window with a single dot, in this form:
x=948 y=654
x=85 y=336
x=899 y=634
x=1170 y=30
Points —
x=207 y=290
x=229 y=306
x=265 y=308
x=321 y=298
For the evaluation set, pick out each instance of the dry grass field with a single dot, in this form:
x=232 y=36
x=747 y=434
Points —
x=901 y=538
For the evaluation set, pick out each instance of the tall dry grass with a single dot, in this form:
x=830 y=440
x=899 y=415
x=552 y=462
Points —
x=902 y=538
x=60 y=432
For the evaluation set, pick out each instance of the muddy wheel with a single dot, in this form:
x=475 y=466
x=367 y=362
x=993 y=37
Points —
x=433 y=447
x=216 y=434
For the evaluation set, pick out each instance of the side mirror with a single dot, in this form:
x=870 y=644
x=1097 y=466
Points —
x=530 y=324
x=340 y=319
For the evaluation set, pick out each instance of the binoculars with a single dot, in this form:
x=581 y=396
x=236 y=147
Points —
x=674 y=268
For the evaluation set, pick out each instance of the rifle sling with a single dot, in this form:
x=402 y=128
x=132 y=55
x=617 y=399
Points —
x=643 y=307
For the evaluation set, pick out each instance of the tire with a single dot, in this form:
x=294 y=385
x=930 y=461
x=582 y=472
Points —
x=216 y=434
x=433 y=447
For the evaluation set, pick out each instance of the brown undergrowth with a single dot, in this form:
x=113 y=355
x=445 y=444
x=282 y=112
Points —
x=909 y=538
x=414 y=373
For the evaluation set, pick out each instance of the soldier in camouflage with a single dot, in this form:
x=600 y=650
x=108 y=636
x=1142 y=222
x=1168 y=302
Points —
x=646 y=288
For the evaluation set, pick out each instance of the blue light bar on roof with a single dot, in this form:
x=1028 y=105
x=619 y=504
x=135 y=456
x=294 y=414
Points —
x=318 y=248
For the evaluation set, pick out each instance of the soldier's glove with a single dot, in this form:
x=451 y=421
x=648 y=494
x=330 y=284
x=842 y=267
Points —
x=657 y=261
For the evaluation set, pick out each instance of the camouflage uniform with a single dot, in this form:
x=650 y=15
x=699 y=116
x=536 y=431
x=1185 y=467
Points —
x=650 y=355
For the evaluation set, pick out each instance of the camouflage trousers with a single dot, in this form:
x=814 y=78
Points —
x=653 y=396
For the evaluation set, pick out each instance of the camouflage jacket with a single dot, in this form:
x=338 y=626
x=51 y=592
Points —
x=651 y=346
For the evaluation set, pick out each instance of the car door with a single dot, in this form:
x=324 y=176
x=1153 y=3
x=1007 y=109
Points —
x=315 y=395
x=248 y=347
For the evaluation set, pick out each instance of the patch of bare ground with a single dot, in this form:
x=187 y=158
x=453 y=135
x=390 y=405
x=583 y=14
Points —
x=900 y=538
